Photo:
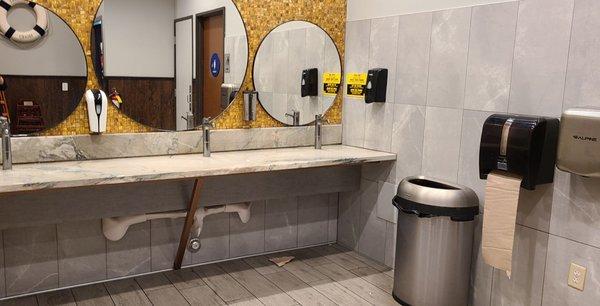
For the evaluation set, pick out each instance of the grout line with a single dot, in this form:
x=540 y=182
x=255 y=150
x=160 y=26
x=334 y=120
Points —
x=568 y=57
x=57 y=257
x=108 y=292
x=512 y=64
x=4 y=261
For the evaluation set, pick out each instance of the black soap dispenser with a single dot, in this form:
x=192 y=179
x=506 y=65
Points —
x=310 y=83
x=376 y=88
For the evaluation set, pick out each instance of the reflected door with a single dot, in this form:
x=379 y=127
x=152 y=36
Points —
x=183 y=72
x=211 y=35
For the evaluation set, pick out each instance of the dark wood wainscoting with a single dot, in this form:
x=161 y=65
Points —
x=150 y=101
x=56 y=105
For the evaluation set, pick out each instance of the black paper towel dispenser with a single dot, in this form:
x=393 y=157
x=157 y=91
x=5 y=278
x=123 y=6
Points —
x=521 y=145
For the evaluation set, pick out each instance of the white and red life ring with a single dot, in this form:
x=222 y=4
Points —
x=38 y=31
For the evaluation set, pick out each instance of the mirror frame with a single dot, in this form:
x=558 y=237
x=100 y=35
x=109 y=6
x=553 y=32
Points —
x=337 y=49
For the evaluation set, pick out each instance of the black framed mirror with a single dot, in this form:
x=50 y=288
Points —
x=43 y=70
x=169 y=63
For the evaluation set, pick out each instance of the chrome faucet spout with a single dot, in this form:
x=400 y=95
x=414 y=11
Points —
x=6 y=147
x=206 y=128
x=295 y=115
x=318 y=132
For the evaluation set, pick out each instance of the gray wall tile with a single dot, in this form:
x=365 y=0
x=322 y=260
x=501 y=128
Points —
x=281 y=224
x=378 y=126
x=384 y=208
x=390 y=244
x=384 y=49
x=333 y=217
x=491 y=50
x=412 y=65
x=353 y=125
x=561 y=253
x=2 y=279
x=296 y=60
x=441 y=146
x=313 y=219
x=371 y=240
x=215 y=239
x=535 y=207
x=448 y=60
x=165 y=235
x=249 y=238
x=30 y=259
x=527 y=279
x=358 y=35
x=539 y=67
x=349 y=219
x=583 y=77
x=575 y=208
x=81 y=252
x=130 y=255
x=280 y=59
x=407 y=140
x=263 y=74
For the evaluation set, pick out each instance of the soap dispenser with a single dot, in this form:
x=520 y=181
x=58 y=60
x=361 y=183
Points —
x=97 y=105
x=310 y=83
x=376 y=88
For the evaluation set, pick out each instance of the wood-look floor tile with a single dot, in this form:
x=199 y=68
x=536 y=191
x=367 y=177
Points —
x=202 y=295
x=257 y=284
x=127 y=292
x=340 y=257
x=297 y=289
x=371 y=263
x=304 y=272
x=310 y=257
x=263 y=265
x=354 y=283
x=222 y=283
x=379 y=279
x=154 y=281
x=338 y=293
x=168 y=296
x=62 y=297
x=92 y=295
x=246 y=302
x=24 y=301
x=185 y=279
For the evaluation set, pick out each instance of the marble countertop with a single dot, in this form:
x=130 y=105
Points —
x=41 y=176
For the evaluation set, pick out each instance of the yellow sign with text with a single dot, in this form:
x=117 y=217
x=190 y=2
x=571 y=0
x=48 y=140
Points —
x=331 y=83
x=356 y=84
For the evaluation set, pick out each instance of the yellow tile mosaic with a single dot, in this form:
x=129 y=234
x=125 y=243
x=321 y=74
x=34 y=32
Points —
x=260 y=17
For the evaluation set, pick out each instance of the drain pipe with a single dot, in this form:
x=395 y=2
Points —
x=115 y=228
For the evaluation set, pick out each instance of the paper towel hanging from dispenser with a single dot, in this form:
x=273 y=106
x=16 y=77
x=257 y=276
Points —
x=516 y=152
x=579 y=142
x=521 y=145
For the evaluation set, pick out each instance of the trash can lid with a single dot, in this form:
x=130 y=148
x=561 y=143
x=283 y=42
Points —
x=437 y=193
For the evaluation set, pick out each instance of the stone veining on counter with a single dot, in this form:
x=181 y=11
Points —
x=90 y=147
x=30 y=177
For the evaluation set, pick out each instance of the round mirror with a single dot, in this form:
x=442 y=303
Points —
x=297 y=72
x=168 y=64
x=43 y=71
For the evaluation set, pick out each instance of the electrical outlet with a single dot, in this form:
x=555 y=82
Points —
x=65 y=86
x=577 y=275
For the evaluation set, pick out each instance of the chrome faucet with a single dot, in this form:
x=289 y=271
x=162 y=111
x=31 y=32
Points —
x=318 y=131
x=206 y=126
x=6 y=149
x=295 y=117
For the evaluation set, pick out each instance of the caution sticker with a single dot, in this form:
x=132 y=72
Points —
x=331 y=83
x=356 y=84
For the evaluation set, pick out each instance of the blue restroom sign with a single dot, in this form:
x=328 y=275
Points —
x=215 y=65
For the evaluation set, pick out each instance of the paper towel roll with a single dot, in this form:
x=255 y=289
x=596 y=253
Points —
x=499 y=219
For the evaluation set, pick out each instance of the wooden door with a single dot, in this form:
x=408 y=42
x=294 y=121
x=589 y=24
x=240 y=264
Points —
x=212 y=49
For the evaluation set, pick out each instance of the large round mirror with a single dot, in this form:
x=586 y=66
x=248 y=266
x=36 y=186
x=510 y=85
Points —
x=297 y=72
x=169 y=63
x=43 y=72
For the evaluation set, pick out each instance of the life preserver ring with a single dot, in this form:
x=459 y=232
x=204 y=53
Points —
x=38 y=31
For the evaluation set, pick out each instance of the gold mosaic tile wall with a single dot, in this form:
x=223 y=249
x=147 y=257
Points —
x=260 y=18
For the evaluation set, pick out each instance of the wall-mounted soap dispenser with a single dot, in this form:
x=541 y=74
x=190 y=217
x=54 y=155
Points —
x=376 y=88
x=310 y=83
x=97 y=105
x=521 y=145
x=579 y=142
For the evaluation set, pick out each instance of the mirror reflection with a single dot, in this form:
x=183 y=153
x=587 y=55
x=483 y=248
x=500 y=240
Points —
x=297 y=72
x=169 y=63
x=43 y=70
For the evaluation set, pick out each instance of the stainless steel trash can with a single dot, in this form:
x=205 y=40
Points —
x=434 y=242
